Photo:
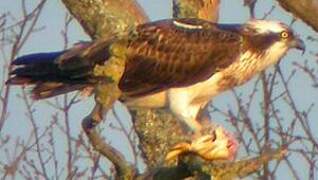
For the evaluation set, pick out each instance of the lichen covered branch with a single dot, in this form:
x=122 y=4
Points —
x=233 y=170
x=203 y=9
x=193 y=166
x=306 y=10
x=106 y=18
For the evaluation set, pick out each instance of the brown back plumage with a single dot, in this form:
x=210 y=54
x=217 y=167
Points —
x=177 y=53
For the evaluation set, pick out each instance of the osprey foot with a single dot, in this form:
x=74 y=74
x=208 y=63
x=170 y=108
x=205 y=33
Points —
x=219 y=145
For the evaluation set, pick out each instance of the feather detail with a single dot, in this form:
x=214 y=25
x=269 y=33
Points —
x=38 y=58
x=170 y=53
x=42 y=71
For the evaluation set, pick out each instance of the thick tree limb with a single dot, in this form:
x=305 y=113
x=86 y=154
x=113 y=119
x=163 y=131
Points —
x=203 y=9
x=192 y=165
x=306 y=10
x=106 y=18
x=158 y=130
x=243 y=168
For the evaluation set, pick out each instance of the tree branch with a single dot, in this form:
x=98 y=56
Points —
x=203 y=9
x=306 y=10
x=123 y=169
x=192 y=165
x=106 y=18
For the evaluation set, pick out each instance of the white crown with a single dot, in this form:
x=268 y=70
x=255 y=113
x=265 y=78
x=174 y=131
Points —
x=263 y=26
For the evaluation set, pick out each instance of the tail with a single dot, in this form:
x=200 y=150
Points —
x=42 y=71
x=56 y=73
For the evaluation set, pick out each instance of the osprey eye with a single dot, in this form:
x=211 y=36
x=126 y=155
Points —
x=284 y=34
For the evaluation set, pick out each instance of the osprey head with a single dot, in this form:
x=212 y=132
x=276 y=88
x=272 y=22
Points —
x=276 y=34
x=264 y=43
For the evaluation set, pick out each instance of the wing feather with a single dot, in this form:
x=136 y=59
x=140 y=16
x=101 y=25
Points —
x=164 y=55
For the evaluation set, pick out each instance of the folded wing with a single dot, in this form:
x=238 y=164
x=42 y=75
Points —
x=177 y=53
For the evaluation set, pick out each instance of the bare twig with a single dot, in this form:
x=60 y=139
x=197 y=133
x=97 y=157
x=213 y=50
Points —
x=23 y=34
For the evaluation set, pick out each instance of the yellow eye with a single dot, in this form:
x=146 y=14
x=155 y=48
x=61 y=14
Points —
x=284 y=34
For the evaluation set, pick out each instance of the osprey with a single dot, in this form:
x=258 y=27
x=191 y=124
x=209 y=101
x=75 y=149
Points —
x=176 y=63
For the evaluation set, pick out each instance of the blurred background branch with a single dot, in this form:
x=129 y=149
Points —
x=22 y=31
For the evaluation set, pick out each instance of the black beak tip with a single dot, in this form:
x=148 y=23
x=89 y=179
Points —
x=300 y=45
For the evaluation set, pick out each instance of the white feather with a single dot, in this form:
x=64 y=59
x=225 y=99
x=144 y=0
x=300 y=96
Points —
x=186 y=102
x=186 y=26
x=263 y=26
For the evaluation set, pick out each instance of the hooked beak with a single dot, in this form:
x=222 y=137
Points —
x=299 y=44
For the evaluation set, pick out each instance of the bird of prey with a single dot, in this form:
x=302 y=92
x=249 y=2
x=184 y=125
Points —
x=180 y=64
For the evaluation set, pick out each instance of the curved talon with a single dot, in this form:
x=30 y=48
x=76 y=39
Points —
x=177 y=151
x=221 y=145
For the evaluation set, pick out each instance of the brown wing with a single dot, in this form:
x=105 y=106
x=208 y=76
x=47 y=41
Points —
x=84 y=55
x=177 y=53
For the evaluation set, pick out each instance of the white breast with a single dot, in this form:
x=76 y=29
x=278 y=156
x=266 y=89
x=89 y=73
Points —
x=186 y=102
x=198 y=93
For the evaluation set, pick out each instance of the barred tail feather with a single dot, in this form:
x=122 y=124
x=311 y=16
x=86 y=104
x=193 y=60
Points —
x=43 y=73
x=51 y=89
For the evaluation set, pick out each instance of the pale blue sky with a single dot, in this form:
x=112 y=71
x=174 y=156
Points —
x=50 y=39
